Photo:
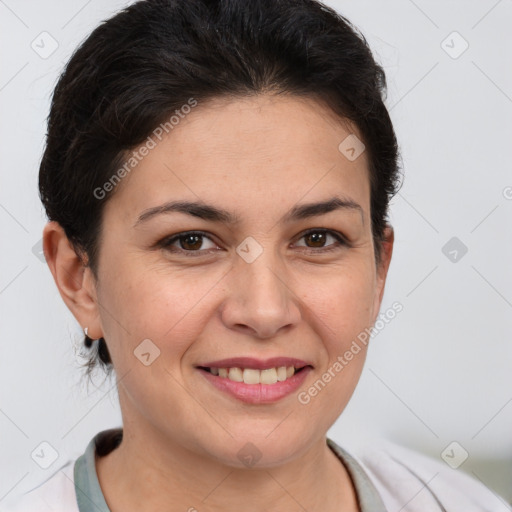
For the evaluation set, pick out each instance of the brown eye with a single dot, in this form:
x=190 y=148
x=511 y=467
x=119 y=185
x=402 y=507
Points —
x=316 y=239
x=188 y=242
x=191 y=242
x=322 y=239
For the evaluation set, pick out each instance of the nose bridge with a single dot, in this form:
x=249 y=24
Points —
x=261 y=300
x=265 y=286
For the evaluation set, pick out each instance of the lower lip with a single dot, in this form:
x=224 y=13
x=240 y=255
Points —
x=257 y=393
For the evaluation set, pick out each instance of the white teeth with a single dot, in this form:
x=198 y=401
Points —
x=236 y=375
x=253 y=376
x=268 y=376
x=281 y=373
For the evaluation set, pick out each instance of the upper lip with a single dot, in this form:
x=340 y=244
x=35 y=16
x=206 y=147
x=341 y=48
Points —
x=257 y=364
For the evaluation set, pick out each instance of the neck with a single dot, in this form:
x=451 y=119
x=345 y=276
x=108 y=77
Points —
x=189 y=481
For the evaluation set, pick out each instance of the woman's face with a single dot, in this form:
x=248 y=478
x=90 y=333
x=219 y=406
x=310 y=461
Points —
x=254 y=285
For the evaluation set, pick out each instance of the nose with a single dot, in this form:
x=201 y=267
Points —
x=260 y=302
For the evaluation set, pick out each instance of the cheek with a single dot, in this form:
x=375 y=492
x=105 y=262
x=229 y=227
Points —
x=341 y=301
x=173 y=308
x=169 y=309
x=342 y=312
x=340 y=307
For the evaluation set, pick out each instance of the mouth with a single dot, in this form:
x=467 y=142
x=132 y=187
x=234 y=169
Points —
x=254 y=381
x=253 y=376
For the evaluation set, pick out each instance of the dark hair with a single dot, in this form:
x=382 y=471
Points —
x=146 y=62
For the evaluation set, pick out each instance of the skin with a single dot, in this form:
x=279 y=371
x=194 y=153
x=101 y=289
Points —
x=257 y=157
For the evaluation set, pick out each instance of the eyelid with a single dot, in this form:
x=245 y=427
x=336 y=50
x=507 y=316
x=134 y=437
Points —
x=341 y=240
x=166 y=242
x=336 y=234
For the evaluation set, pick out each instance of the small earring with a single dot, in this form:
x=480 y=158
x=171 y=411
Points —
x=85 y=331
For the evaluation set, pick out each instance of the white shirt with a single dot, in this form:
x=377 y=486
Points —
x=387 y=478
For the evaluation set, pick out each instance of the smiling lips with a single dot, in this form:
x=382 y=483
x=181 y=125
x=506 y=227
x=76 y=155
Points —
x=256 y=381
x=255 y=371
x=254 y=376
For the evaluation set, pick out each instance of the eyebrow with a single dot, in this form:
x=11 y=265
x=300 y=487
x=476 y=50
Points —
x=212 y=213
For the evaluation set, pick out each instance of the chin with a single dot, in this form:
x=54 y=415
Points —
x=259 y=449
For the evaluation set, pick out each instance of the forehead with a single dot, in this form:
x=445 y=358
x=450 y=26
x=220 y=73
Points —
x=244 y=151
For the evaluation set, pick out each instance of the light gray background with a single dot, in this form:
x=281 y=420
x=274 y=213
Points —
x=439 y=372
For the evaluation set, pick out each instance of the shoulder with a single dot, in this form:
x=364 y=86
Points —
x=55 y=494
x=74 y=482
x=411 y=481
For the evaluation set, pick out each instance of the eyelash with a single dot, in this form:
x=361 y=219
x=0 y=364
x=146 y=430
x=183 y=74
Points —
x=341 y=241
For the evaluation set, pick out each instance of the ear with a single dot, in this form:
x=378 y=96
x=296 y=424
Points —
x=383 y=267
x=73 y=278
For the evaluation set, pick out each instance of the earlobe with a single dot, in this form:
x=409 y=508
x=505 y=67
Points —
x=74 y=282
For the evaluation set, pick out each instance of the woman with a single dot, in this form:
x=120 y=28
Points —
x=217 y=178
